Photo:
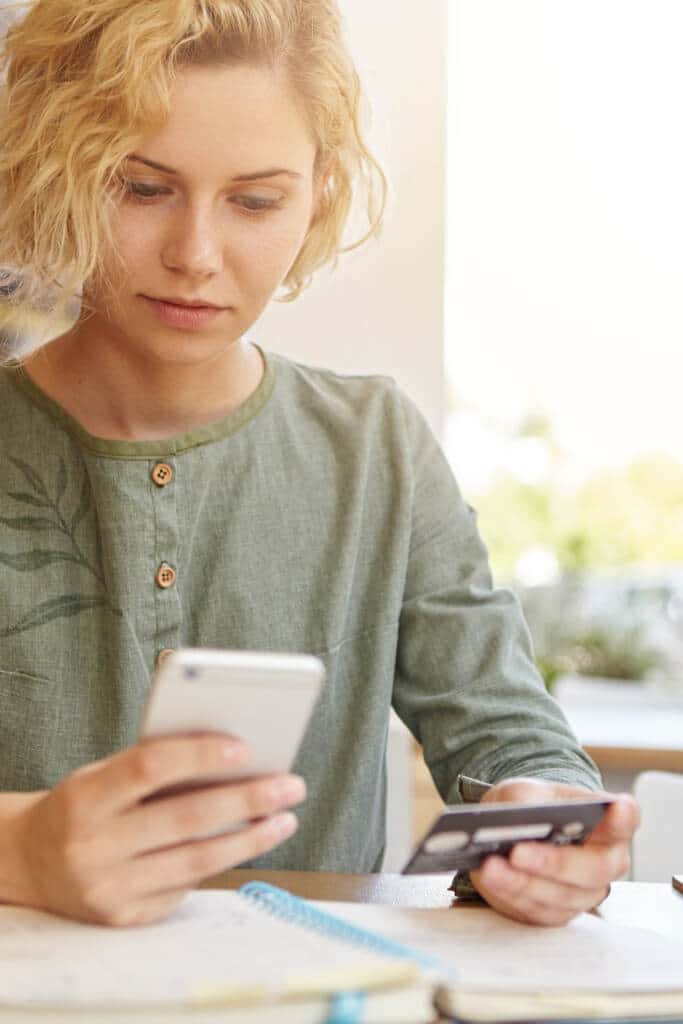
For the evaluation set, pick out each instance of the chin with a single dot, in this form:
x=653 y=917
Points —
x=174 y=347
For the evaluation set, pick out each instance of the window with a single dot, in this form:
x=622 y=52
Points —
x=564 y=321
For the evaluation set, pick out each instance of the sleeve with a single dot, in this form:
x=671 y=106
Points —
x=466 y=684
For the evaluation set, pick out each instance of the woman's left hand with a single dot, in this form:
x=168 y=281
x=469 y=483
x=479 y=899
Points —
x=540 y=883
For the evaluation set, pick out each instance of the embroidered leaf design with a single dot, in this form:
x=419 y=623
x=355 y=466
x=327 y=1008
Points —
x=55 y=608
x=28 y=560
x=27 y=523
x=29 y=499
x=83 y=505
x=30 y=474
x=61 y=483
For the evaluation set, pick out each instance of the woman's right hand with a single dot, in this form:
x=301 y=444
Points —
x=93 y=849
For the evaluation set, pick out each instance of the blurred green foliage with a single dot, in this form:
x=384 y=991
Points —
x=615 y=520
x=618 y=517
x=599 y=652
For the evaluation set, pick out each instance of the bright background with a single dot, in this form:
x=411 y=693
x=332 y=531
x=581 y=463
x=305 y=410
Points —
x=564 y=318
x=566 y=220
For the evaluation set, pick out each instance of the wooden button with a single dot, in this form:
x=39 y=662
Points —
x=166 y=576
x=162 y=474
x=163 y=655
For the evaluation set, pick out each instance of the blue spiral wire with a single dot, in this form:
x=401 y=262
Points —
x=287 y=907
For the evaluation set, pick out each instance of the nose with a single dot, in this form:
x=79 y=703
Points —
x=193 y=244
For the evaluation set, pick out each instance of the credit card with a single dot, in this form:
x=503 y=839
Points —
x=461 y=837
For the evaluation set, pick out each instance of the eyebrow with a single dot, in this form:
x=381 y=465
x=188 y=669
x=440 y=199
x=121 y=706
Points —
x=270 y=172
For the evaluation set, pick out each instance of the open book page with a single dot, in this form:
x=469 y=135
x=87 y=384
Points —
x=493 y=952
x=412 y=1005
x=215 y=947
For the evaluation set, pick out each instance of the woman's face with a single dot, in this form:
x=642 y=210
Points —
x=222 y=225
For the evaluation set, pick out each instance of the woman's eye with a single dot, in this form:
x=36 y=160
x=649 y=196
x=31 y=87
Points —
x=255 y=204
x=141 y=191
x=250 y=204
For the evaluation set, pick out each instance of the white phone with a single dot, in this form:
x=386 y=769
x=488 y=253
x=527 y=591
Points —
x=264 y=699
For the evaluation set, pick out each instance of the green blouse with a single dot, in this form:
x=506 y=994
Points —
x=321 y=516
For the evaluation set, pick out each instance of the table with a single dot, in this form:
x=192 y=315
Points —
x=652 y=905
x=655 y=906
x=625 y=727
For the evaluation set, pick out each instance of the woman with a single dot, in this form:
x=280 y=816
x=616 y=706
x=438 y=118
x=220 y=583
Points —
x=167 y=483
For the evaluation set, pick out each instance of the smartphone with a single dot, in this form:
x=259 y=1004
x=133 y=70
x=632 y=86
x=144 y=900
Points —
x=264 y=699
x=461 y=837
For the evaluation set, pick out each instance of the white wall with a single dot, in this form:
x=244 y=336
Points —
x=564 y=279
x=382 y=309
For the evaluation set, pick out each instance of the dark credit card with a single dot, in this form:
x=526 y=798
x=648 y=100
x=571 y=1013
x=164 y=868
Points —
x=463 y=836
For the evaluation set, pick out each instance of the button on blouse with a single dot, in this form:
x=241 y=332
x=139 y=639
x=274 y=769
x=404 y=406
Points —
x=162 y=474
x=166 y=576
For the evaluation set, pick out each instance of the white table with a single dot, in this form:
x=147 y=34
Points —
x=626 y=728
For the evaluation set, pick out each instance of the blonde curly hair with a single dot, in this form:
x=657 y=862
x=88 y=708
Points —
x=86 y=81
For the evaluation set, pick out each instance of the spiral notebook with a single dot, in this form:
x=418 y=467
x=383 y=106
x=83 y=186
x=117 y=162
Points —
x=260 y=954
x=258 y=945
x=512 y=973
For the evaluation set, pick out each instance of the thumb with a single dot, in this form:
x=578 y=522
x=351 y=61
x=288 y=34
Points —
x=620 y=821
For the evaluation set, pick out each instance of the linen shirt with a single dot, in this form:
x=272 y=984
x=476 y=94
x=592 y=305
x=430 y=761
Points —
x=319 y=517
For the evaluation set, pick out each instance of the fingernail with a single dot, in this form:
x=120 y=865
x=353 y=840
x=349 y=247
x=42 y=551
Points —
x=289 y=791
x=525 y=856
x=284 y=825
x=495 y=869
x=234 y=752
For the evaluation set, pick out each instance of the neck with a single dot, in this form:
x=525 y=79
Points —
x=117 y=393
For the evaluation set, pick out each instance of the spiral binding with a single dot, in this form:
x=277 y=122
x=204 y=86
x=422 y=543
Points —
x=284 y=905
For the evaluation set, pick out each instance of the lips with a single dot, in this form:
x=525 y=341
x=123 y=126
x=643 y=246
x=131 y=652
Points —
x=186 y=305
x=189 y=317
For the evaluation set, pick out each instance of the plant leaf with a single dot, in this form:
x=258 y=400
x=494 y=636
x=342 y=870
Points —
x=28 y=523
x=83 y=505
x=29 y=499
x=28 y=560
x=55 y=608
x=61 y=483
x=30 y=474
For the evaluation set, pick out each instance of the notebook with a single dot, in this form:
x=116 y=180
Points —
x=587 y=970
x=259 y=954
x=257 y=946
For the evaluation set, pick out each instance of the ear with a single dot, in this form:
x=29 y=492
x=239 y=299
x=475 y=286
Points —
x=319 y=186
